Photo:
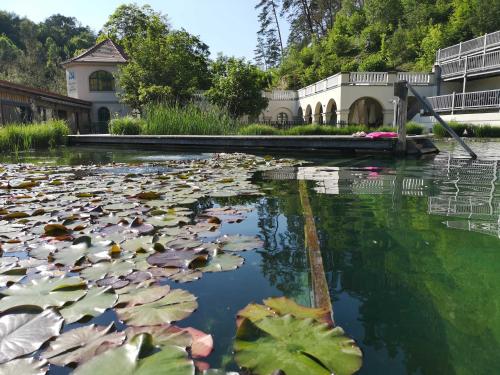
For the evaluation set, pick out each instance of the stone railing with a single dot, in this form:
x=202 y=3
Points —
x=369 y=78
x=476 y=100
x=416 y=78
x=483 y=43
x=281 y=95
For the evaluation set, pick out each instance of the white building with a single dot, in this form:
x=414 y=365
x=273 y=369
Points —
x=90 y=77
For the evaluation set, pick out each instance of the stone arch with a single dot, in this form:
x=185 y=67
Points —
x=331 y=112
x=309 y=115
x=318 y=113
x=300 y=115
x=101 y=80
x=366 y=111
x=282 y=115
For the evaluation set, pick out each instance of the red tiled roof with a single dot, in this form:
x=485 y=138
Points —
x=42 y=93
x=106 y=51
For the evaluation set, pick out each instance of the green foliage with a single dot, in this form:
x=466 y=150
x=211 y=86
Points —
x=440 y=131
x=237 y=85
x=126 y=126
x=259 y=129
x=16 y=137
x=480 y=131
x=167 y=119
x=487 y=131
x=413 y=128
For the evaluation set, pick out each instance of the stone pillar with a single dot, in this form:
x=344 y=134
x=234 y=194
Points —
x=343 y=116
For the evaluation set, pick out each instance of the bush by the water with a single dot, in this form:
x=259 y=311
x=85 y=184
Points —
x=19 y=137
x=468 y=130
x=126 y=126
x=259 y=129
x=166 y=119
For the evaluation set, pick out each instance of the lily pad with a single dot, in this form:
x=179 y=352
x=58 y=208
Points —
x=44 y=292
x=175 y=306
x=21 y=334
x=295 y=346
x=177 y=258
x=102 y=269
x=222 y=262
x=132 y=296
x=94 y=303
x=127 y=360
x=24 y=366
x=185 y=276
x=81 y=344
x=240 y=243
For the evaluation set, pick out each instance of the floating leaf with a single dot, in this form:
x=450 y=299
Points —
x=24 y=366
x=176 y=305
x=81 y=344
x=163 y=335
x=177 y=258
x=22 y=334
x=148 y=195
x=222 y=262
x=295 y=346
x=132 y=295
x=102 y=269
x=94 y=303
x=43 y=292
x=240 y=243
x=284 y=306
x=55 y=230
x=126 y=360
x=185 y=276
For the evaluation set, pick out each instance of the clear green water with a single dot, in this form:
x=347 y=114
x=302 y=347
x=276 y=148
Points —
x=411 y=250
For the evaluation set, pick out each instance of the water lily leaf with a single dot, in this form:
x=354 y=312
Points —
x=295 y=346
x=148 y=195
x=22 y=333
x=183 y=244
x=162 y=335
x=126 y=360
x=81 y=344
x=132 y=296
x=185 y=276
x=11 y=274
x=119 y=206
x=284 y=306
x=69 y=256
x=167 y=220
x=43 y=292
x=202 y=345
x=176 y=305
x=139 y=244
x=177 y=258
x=240 y=243
x=94 y=303
x=102 y=269
x=24 y=366
x=222 y=262
x=55 y=230
x=43 y=251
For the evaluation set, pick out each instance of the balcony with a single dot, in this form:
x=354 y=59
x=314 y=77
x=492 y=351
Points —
x=470 y=101
x=471 y=66
x=482 y=44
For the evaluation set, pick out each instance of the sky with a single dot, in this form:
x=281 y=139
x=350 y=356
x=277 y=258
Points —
x=227 y=26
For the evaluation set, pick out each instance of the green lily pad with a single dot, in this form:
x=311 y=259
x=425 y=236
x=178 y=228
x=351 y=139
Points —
x=295 y=346
x=177 y=258
x=284 y=306
x=240 y=243
x=82 y=344
x=44 y=292
x=21 y=334
x=24 y=366
x=132 y=296
x=162 y=335
x=128 y=360
x=175 y=306
x=94 y=303
x=185 y=276
x=102 y=269
x=222 y=262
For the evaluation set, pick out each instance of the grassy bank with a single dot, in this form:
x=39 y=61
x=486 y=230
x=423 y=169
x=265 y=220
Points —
x=20 y=137
x=468 y=130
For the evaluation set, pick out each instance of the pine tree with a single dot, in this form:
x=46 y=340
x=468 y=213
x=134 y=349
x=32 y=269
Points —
x=269 y=40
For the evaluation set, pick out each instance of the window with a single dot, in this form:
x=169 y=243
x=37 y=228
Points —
x=282 y=118
x=103 y=115
x=102 y=81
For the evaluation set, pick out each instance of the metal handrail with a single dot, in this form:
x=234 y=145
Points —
x=468 y=47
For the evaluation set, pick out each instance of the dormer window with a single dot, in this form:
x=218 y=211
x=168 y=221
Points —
x=102 y=81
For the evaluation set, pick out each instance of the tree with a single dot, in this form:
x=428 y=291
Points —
x=129 y=22
x=237 y=85
x=270 y=43
x=167 y=68
x=8 y=51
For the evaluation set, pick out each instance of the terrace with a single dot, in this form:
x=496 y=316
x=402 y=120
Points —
x=469 y=101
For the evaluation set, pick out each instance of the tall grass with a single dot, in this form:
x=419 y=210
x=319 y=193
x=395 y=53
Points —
x=127 y=125
x=171 y=119
x=20 y=137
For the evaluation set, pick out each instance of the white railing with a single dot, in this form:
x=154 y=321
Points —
x=369 y=78
x=415 y=78
x=468 y=47
x=281 y=95
x=471 y=64
x=466 y=101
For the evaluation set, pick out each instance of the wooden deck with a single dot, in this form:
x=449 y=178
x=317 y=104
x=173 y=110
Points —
x=417 y=145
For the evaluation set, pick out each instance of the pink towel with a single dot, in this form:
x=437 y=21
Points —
x=375 y=135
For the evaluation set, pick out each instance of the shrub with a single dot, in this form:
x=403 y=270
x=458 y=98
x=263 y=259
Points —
x=126 y=126
x=413 y=128
x=486 y=131
x=16 y=137
x=325 y=130
x=172 y=119
x=440 y=131
x=258 y=129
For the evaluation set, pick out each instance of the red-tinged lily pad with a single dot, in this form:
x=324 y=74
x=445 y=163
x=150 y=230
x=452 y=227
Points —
x=177 y=258
x=24 y=366
x=56 y=230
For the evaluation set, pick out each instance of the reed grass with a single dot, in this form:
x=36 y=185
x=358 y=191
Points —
x=22 y=137
x=127 y=125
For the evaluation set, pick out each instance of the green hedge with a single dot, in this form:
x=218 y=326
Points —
x=17 y=137
x=468 y=130
x=126 y=126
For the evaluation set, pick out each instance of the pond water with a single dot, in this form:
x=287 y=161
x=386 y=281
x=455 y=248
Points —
x=411 y=253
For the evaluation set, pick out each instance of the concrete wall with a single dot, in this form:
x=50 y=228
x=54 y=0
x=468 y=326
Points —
x=77 y=80
x=489 y=118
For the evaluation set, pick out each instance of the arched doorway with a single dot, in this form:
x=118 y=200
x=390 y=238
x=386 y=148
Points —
x=300 y=115
x=318 y=114
x=366 y=111
x=331 y=112
x=103 y=115
x=308 y=117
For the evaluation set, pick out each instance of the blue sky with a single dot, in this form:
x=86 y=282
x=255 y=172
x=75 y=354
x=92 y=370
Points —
x=227 y=26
